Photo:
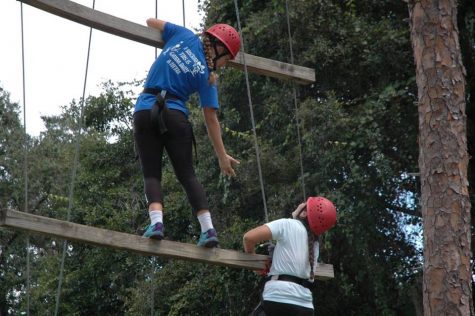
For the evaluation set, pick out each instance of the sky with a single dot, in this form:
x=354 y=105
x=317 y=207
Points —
x=56 y=52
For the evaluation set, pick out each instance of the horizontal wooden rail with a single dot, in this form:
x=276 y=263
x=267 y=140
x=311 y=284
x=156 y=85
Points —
x=142 y=34
x=134 y=243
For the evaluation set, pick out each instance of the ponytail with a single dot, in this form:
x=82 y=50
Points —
x=311 y=247
x=311 y=252
x=209 y=53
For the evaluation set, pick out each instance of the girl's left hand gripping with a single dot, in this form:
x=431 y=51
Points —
x=266 y=269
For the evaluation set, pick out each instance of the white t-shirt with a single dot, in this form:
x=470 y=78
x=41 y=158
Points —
x=290 y=258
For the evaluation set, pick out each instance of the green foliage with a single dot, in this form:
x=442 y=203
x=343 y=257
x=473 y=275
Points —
x=12 y=244
x=12 y=145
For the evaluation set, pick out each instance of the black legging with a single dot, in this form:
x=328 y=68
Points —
x=270 y=308
x=178 y=142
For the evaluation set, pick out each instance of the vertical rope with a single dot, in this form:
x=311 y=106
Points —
x=152 y=287
x=256 y=145
x=156 y=17
x=294 y=89
x=302 y=175
x=152 y=259
x=25 y=163
x=75 y=167
x=183 y=9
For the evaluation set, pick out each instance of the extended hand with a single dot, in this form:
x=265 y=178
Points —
x=266 y=269
x=226 y=164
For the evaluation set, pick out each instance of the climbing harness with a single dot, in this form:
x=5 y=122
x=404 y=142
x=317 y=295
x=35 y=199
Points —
x=160 y=111
x=290 y=278
x=160 y=108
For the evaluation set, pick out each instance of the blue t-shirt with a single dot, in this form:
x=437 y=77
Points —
x=180 y=69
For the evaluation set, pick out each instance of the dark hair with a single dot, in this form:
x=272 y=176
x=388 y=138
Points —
x=208 y=48
x=311 y=249
x=311 y=242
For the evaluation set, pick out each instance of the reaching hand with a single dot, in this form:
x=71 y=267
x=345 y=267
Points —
x=226 y=165
x=298 y=210
x=266 y=269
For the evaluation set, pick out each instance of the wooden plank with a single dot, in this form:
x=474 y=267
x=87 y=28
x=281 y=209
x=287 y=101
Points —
x=324 y=271
x=99 y=20
x=273 y=68
x=134 y=243
x=142 y=34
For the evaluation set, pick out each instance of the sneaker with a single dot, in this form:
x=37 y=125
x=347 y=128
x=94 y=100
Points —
x=208 y=239
x=154 y=231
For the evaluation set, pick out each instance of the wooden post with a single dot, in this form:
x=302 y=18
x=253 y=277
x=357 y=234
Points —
x=142 y=34
x=138 y=244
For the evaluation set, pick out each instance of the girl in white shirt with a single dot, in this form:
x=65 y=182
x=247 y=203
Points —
x=288 y=292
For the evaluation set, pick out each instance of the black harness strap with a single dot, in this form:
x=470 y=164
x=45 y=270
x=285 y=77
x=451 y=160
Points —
x=259 y=309
x=156 y=91
x=290 y=278
x=160 y=109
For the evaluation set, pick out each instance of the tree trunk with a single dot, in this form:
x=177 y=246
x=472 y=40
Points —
x=443 y=157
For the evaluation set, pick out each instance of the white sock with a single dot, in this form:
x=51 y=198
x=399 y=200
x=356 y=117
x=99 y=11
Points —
x=155 y=216
x=205 y=221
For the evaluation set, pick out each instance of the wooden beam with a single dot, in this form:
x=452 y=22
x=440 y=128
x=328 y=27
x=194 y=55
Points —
x=99 y=20
x=142 y=34
x=134 y=243
x=273 y=68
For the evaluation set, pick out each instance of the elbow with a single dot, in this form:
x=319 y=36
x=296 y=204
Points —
x=246 y=241
x=249 y=243
x=210 y=114
x=156 y=24
x=150 y=21
x=245 y=238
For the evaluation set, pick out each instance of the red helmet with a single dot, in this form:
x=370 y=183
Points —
x=227 y=35
x=321 y=214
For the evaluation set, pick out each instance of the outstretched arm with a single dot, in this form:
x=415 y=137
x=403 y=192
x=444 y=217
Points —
x=254 y=236
x=214 y=133
x=156 y=24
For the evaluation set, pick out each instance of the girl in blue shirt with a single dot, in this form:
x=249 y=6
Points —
x=186 y=65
